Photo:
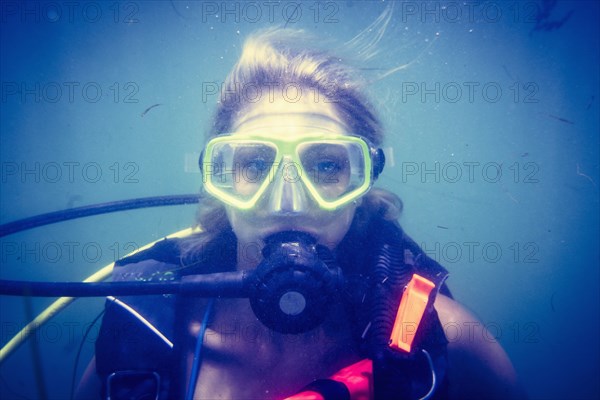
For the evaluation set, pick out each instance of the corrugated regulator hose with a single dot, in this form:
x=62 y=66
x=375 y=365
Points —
x=389 y=277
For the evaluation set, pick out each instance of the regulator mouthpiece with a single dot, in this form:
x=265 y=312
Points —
x=295 y=283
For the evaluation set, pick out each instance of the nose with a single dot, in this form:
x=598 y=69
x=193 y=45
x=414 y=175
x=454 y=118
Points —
x=288 y=195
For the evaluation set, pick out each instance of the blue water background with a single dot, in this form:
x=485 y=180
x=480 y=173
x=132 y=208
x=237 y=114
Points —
x=521 y=247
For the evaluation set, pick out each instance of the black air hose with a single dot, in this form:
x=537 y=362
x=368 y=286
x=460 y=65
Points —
x=389 y=277
x=95 y=209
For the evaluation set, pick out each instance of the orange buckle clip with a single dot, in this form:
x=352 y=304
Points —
x=410 y=312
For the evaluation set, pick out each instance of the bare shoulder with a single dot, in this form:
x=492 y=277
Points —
x=478 y=367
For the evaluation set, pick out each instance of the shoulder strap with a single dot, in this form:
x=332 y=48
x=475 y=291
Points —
x=134 y=350
x=132 y=355
x=137 y=351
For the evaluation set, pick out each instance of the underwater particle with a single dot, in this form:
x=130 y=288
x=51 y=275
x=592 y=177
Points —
x=150 y=108
x=561 y=119
x=175 y=8
x=73 y=199
x=510 y=195
x=364 y=334
x=545 y=22
x=584 y=175
x=507 y=72
x=592 y=98
x=442 y=227
x=289 y=18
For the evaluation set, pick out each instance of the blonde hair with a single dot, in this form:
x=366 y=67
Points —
x=275 y=58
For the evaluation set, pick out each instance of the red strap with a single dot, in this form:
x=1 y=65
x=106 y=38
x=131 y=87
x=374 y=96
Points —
x=410 y=312
x=357 y=377
x=306 y=395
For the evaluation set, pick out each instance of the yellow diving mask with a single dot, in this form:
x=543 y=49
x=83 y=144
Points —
x=334 y=168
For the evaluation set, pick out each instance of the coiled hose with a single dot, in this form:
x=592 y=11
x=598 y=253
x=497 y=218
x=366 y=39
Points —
x=389 y=277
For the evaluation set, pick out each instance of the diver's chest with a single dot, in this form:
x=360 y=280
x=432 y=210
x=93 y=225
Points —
x=235 y=335
x=243 y=359
x=239 y=348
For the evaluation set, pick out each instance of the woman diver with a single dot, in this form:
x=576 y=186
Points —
x=343 y=304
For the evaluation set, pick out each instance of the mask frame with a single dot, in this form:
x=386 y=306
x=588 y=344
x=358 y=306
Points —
x=287 y=147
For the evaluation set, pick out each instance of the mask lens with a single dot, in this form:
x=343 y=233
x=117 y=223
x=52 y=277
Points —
x=334 y=169
x=239 y=169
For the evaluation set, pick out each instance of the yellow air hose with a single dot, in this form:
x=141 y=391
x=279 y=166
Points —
x=56 y=307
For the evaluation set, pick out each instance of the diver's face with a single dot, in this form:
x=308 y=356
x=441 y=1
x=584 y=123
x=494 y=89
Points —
x=287 y=205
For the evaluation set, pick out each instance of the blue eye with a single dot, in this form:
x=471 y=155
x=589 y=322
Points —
x=253 y=163
x=328 y=167
x=255 y=169
x=257 y=164
x=326 y=171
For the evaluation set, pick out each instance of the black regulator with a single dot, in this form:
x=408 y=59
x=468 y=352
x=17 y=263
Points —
x=292 y=288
